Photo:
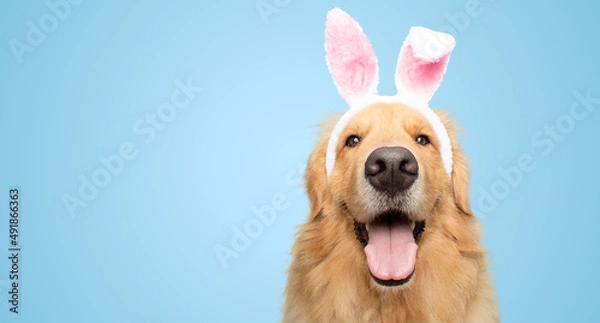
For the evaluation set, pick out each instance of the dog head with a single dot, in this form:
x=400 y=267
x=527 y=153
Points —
x=389 y=160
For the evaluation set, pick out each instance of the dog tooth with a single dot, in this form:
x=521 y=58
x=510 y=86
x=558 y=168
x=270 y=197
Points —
x=412 y=225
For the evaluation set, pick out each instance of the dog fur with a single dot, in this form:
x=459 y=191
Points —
x=329 y=280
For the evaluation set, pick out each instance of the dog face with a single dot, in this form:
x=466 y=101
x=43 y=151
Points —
x=388 y=160
x=389 y=176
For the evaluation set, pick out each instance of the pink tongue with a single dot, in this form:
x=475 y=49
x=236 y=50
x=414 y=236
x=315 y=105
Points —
x=391 y=251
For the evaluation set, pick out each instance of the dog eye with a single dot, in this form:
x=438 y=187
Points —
x=352 y=141
x=423 y=140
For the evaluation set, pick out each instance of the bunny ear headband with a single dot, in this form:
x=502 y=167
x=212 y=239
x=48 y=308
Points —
x=353 y=65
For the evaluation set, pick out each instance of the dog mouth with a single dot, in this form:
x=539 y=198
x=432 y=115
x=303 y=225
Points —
x=390 y=243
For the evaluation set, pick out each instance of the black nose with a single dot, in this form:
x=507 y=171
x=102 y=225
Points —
x=391 y=169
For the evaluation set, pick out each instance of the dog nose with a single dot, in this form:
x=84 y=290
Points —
x=391 y=169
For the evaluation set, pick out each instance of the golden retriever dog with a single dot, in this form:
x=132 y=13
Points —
x=390 y=236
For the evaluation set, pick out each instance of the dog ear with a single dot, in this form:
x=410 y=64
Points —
x=460 y=169
x=316 y=175
x=350 y=56
x=422 y=62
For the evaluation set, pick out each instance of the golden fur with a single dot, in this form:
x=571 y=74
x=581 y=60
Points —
x=329 y=281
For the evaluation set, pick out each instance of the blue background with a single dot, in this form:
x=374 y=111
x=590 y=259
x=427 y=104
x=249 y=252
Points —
x=143 y=250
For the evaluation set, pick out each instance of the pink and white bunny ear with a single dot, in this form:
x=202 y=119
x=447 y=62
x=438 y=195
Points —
x=422 y=62
x=350 y=56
